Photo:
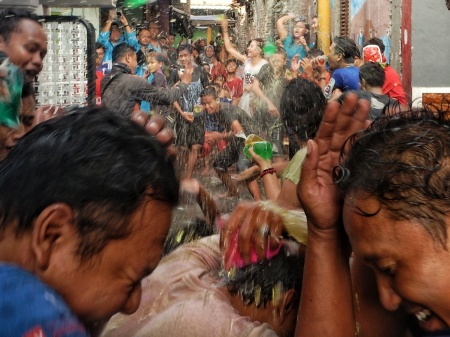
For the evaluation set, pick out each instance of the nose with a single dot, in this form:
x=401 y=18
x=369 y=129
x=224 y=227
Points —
x=37 y=59
x=17 y=134
x=133 y=301
x=389 y=298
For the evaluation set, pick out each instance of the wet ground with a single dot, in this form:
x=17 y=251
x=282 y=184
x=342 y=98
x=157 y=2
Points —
x=189 y=209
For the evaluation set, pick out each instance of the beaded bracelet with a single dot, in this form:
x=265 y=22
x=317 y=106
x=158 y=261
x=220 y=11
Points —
x=269 y=170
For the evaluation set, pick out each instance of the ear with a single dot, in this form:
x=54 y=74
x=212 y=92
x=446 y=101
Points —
x=362 y=84
x=287 y=304
x=53 y=225
x=128 y=57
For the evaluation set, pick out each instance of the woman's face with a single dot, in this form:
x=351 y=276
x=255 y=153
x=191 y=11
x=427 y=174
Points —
x=253 y=49
x=411 y=267
x=314 y=25
x=209 y=52
x=300 y=29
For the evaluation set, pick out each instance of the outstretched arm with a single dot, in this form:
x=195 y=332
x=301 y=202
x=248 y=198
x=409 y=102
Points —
x=228 y=46
x=326 y=306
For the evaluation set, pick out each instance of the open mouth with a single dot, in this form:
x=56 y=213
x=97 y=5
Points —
x=30 y=74
x=423 y=315
x=428 y=321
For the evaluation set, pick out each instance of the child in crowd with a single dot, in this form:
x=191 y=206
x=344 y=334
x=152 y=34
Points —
x=156 y=77
x=212 y=125
x=223 y=91
x=234 y=83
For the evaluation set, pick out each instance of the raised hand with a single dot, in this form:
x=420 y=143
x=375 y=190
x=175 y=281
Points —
x=316 y=191
x=156 y=127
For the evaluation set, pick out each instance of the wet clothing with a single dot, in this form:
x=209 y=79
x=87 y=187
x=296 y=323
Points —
x=103 y=38
x=131 y=39
x=30 y=308
x=158 y=80
x=121 y=91
x=233 y=153
x=377 y=102
x=190 y=133
x=247 y=101
x=270 y=128
x=183 y=298
x=235 y=86
x=292 y=49
x=344 y=79
x=393 y=85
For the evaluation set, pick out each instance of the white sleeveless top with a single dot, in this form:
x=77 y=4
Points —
x=249 y=75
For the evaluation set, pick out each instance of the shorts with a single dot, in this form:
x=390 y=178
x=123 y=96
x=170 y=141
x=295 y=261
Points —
x=233 y=153
x=207 y=147
x=187 y=133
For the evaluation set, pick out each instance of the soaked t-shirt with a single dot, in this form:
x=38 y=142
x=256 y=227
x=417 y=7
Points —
x=344 y=79
x=30 y=308
x=183 y=298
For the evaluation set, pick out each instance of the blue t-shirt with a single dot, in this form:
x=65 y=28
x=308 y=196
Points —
x=29 y=308
x=103 y=38
x=344 y=79
x=293 y=49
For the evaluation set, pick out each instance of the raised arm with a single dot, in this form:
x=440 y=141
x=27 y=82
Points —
x=125 y=24
x=111 y=17
x=228 y=46
x=326 y=306
x=281 y=28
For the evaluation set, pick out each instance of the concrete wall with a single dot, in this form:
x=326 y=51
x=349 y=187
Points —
x=431 y=47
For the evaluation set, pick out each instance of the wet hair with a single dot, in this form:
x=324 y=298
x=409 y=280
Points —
x=10 y=21
x=259 y=43
x=314 y=52
x=102 y=165
x=188 y=231
x=302 y=105
x=153 y=23
x=99 y=45
x=141 y=30
x=403 y=161
x=184 y=46
x=266 y=281
x=220 y=77
x=114 y=25
x=157 y=56
x=373 y=74
x=121 y=50
x=232 y=61
x=347 y=47
x=376 y=41
x=210 y=90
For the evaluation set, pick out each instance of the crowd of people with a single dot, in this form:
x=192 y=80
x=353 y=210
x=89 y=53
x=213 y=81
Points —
x=346 y=232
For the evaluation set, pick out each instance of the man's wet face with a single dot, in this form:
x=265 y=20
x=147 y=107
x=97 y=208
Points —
x=27 y=48
x=110 y=282
x=115 y=34
x=410 y=266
